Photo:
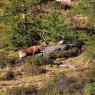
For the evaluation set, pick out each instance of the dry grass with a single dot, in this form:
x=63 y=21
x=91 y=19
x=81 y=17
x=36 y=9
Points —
x=5 y=1
x=39 y=79
x=25 y=75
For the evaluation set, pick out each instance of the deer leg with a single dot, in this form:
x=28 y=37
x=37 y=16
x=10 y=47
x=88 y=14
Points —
x=42 y=54
x=19 y=60
x=22 y=55
x=34 y=54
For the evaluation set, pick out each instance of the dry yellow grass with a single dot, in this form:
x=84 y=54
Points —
x=41 y=80
x=5 y=1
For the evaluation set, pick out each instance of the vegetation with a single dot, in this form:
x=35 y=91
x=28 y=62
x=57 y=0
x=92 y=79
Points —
x=90 y=89
x=68 y=84
x=24 y=23
x=21 y=91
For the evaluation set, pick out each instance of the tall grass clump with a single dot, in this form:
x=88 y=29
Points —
x=29 y=70
x=38 y=60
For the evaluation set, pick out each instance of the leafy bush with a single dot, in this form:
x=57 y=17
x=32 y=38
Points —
x=20 y=31
x=64 y=54
x=27 y=33
x=55 y=26
x=54 y=92
x=90 y=89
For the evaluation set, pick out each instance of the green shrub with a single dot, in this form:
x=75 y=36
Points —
x=55 y=26
x=38 y=60
x=54 y=92
x=24 y=37
x=64 y=54
x=20 y=32
x=89 y=89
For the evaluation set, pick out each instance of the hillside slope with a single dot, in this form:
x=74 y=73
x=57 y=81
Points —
x=67 y=72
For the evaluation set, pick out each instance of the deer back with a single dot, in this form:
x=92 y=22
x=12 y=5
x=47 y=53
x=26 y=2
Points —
x=35 y=49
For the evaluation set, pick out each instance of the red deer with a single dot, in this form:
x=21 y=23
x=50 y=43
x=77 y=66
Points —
x=31 y=50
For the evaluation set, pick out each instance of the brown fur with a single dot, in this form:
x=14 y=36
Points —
x=31 y=50
x=34 y=49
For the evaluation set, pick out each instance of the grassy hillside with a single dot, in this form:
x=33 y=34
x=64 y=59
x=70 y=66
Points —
x=66 y=72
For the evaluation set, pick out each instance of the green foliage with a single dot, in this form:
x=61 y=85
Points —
x=38 y=60
x=73 y=39
x=25 y=34
x=20 y=32
x=55 y=26
x=90 y=89
x=87 y=7
x=64 y=54
x=54 y=92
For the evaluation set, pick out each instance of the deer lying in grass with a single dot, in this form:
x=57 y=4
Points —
x=31 y=50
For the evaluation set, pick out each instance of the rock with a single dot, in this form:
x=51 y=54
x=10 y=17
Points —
x=66 y=65
x=53 y=48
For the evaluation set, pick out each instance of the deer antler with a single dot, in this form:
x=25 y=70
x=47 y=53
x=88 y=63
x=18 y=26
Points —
x=42 y=36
